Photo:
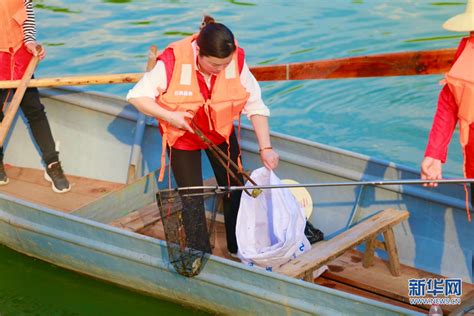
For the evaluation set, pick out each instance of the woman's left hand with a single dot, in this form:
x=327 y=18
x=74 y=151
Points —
x=269 y=158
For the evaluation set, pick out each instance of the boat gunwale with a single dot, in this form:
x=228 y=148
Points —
x=130 y=113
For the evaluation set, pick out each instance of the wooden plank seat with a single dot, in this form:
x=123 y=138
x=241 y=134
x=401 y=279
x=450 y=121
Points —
x=139 y=219
x=147 y=216
x=323 y=252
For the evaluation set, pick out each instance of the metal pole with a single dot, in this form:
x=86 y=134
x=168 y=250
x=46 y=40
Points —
x=225 y=189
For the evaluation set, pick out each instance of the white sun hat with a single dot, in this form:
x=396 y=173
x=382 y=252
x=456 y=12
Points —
x=302 y=196
x=462 y=22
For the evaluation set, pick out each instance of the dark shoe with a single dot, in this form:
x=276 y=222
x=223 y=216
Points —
x=3 y=175
x=54 y=174
x=313 y=234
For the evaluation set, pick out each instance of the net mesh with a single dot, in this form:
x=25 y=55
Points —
x=188 y=227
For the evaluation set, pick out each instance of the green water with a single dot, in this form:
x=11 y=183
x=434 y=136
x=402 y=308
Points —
x=32 y=287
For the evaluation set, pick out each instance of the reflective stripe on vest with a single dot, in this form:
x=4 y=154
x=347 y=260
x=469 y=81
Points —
x=12 y=17
x=460 y=80
x=228 y=96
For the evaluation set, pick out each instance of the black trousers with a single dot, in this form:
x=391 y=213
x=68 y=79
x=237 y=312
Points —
x=187 y=170
x=37 y=120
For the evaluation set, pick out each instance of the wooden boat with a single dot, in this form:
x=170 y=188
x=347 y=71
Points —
x=109 y=228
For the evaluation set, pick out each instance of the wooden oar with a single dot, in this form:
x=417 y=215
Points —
x=379 y=65
x=76 y=80
x=10 y=113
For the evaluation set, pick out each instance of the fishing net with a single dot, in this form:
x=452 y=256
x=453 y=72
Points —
x=188 y=227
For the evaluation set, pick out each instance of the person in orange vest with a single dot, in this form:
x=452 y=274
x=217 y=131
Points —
x=204 y=79
x=17 y=46
x=455 y=103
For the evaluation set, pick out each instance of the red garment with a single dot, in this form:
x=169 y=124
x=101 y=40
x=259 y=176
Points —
x=13 y=65
x=191 y=141
x=444 y=124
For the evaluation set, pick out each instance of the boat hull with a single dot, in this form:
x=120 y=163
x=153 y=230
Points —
x=96 y=133
x=141 y=263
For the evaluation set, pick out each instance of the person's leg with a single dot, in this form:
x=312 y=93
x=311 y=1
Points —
x=187 y=171
x=4 y=93
x=469 y=161
x=39 y=125
x=232 y=201
x=3 y=175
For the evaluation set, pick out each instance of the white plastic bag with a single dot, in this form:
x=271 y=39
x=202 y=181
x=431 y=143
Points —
x=270 y=228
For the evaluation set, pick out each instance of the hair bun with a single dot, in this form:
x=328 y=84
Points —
x=206 y=20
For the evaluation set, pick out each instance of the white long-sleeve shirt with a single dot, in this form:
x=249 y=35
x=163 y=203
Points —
x=156 y=78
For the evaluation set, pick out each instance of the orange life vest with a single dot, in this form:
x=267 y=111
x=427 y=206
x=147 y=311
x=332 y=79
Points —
x=228 y=96
x=460 y=80
x=12 y=17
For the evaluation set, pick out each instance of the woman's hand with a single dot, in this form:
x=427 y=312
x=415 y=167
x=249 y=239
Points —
x=269 y=158
x=431 y=169
x=31 y=47
x=180 y=119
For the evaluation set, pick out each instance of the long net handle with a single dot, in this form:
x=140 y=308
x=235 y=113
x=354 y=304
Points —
x=220 y=156
x=214 y=147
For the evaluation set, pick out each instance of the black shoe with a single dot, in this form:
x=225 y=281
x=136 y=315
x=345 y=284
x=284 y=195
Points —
x=313 y=234
x=3 y=175
x=54 y=174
